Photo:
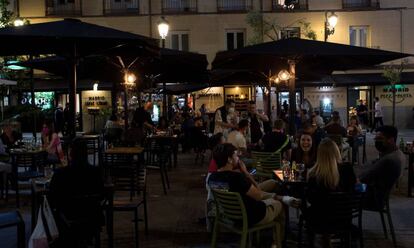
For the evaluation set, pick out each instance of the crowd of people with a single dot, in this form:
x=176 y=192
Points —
x=315 y=145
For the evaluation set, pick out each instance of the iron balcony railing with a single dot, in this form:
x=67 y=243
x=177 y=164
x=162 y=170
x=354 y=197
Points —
x=121 y=7
x=63 y=7
x=360 y=4
x=179 y=6
x=234 y=5
x=298 y=5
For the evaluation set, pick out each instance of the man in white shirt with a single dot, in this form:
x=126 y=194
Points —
x=377 y=115
x=238 y=137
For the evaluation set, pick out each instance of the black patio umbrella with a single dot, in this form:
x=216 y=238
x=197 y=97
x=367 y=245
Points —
x=305 y=59
x=71 y=39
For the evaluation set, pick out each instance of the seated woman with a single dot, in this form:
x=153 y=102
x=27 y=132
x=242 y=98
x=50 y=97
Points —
x=53 y=146
x=261 y=207
x=305 y=152
x=76 y=192
x=354 y=129
x=326 y=176
x=9 y=136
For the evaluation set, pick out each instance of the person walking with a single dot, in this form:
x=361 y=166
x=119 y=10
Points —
x=377 y=115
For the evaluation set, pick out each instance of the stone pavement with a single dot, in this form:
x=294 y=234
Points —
x=174 y=218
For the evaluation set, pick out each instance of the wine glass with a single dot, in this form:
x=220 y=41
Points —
x=301 y=168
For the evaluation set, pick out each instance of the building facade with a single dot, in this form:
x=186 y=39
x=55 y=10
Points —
x=209 y=26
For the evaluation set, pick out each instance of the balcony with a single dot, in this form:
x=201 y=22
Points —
x=121 y=7
x=63 y=7
x=360 y=4
x=179 y=6
x=234 y=5
x=299 y=5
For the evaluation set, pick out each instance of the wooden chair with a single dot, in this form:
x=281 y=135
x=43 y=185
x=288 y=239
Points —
x=266 y=163
x=231 y=213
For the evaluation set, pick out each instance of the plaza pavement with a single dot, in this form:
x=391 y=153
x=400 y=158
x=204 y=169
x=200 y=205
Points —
x=174 y=218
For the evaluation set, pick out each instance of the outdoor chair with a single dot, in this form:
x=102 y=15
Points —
x=382 y=207
x=14 y=218
x=127 y=175
x=333 y=216
x=231 y=213
x=156 y=157
x=266 y=163
x=24 y=168
x=92 y=146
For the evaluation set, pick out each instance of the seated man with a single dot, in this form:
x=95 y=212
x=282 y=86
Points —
x=382 y=174
x=76 y=192
x=278 y=139
x=261 y=207
x=238 y=137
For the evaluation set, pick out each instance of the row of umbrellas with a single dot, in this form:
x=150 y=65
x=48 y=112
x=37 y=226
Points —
x=86 y=50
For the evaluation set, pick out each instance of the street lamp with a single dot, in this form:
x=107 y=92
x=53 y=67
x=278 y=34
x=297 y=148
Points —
x=163 y=28
x=129 y=83
x=330 y=23
x=18 y=22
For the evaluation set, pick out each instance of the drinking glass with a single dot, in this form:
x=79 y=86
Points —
x=286 y=171
x=301 y=169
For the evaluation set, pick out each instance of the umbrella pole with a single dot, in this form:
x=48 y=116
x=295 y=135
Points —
x=292 y=96
x=164 y=99
x=269 y=98
x=33 y=101
x=72 y=93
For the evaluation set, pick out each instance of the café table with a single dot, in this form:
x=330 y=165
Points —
x=296 y=184
x=37 y=159
x=136 y=150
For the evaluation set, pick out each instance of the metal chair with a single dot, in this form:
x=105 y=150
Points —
x=230 y=211
x=334 y=216
x=266 y=163
x=127 y=175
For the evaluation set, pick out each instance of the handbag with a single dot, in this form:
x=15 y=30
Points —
x=46 y=230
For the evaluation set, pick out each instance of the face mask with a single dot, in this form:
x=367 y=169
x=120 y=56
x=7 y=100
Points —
x=380 y=146
x=231 y=110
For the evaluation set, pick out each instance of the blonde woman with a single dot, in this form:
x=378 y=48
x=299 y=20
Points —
x=326 y=176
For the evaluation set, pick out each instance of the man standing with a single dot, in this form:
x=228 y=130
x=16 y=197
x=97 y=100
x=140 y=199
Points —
x=382 y=174
x=256 y=130
x=362 y=113
x=224 y=118
x=377 y=115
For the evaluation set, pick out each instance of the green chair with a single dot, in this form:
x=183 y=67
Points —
x=266 y=163
x=231 y=213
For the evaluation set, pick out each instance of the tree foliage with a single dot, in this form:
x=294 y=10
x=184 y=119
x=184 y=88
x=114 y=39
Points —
x=270 y=28
x=7 y=16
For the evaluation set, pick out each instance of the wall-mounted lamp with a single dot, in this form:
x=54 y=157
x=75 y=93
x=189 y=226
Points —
x=129 y=79
x=330 y=23
x=18 y=22
x=95 y=87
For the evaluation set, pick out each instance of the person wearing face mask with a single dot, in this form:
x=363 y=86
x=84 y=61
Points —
x=261 y=207
x=305 y=152
x=382 y=174
x=224 y=118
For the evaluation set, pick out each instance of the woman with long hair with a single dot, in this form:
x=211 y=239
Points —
x=53 y=146
x=325 y=172
x=354 y=130
x=305 y=151
x=326 y=176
